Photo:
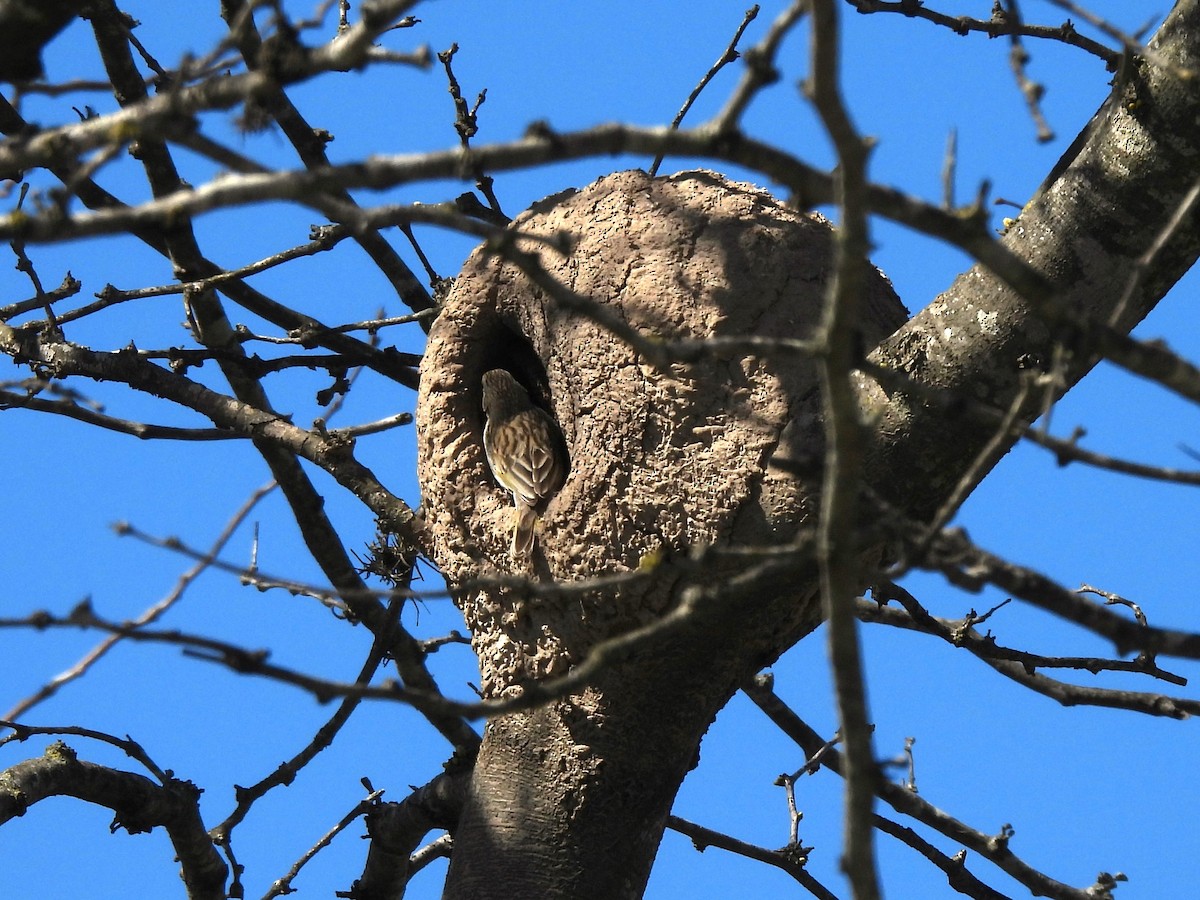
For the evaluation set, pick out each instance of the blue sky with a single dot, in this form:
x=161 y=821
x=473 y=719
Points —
x=1085 y=789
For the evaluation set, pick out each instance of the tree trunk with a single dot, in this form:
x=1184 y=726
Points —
x=570 y=798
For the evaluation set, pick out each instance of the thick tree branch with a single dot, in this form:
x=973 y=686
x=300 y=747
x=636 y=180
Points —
x=1085 y=230
x=396 y=829
x=138 y=805
x=26 y=26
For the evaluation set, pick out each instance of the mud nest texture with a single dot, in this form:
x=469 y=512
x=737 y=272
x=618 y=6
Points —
x=722 y=449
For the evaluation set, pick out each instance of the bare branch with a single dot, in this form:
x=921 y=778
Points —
x=970 y=567
x=991 y=847
x=954 y=867
x=128 y=746
x=138 y=805
x=1018 y=56
x=845 y=444
x=703 y=838
x=283 y=886
x=151 y=615
x=308 y=141
x=760 y=69
x=287 y=771
x=1130 y=42
x=145 y=431
x=993 y=27
x=1021 y=666
x=729 y=56
x=65 y=359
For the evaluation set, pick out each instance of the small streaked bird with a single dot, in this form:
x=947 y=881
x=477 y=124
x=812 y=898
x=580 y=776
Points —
x=525 y=450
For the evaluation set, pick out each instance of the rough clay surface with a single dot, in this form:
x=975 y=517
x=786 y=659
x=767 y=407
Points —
x=660 y=460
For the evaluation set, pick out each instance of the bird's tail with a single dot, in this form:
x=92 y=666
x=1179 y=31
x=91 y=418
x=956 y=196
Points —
x=523 y=536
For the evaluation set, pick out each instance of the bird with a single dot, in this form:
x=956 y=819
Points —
x=525 y=451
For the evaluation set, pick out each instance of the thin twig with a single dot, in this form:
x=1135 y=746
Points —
x=130 y=747
x=286 y=772
x=702 y=838
x=760 y=68
x=283 y=885
x=993 y=27
x=730 y=55
x=155 y=612
x=1018 y=57
x=992 y=847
